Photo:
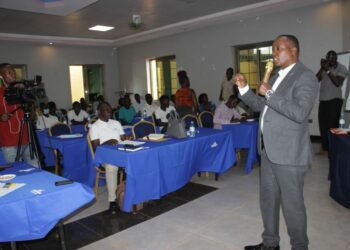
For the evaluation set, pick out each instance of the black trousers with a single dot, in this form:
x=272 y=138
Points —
x=328 y=117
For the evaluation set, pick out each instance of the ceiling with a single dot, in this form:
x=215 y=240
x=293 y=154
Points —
x=67 y=21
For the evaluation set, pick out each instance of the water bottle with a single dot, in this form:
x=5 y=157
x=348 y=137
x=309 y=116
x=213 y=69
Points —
x=341 y=121
x=144 y=114
x=192 y=129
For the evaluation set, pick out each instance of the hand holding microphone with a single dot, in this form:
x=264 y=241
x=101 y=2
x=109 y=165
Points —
x=265 y=86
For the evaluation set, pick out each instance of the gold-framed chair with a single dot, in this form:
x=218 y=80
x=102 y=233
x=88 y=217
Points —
x=100 y=170
x=143 y=128
x=190 y=118
x=206 y=119
x=56 y=130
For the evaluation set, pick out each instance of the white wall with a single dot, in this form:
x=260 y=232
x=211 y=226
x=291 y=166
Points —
x=52 y=62
x=206 y=53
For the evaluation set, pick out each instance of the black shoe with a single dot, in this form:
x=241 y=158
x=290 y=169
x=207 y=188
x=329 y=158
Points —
x=261 y=247
x=113 y=207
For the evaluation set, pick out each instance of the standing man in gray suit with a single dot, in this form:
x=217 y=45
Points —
x=284 y=142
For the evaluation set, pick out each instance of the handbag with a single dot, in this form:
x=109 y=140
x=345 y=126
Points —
x=176 y=126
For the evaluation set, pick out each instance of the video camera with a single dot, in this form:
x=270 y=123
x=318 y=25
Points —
x=22 y=92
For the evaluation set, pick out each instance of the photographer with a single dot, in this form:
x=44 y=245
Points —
x=331 y=76
x=11 y=116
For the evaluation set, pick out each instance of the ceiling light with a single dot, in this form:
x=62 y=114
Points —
x=101 y=28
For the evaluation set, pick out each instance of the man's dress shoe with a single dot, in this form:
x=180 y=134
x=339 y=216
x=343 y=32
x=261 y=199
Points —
x=261 y=247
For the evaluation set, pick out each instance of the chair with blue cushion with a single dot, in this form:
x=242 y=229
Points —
x=56 y=130
x=143 y=128
x=206 y=119
x=59 y=129
x=190 y=118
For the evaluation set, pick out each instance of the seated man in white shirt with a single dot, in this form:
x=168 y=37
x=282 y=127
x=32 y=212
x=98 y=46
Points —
x=45 y=120
x=77 y=115
x=138 y=104
x=107 y=131
x=149 y=106
x=162 y=112
x=227 y=112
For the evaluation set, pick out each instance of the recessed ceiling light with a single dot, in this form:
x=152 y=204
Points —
x=50 y=43
x=101 y=28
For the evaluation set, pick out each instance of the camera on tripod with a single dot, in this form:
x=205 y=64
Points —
x=22 y=92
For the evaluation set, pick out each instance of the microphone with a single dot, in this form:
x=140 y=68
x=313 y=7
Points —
x=268 y=70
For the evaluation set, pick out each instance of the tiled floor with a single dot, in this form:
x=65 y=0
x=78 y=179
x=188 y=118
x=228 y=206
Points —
x=227 y=218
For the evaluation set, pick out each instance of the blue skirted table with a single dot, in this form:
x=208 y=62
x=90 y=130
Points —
x=32 y=210
x=245 y=135
x=166 y=166
x=339 y=168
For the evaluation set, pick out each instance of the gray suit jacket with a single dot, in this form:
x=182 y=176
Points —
x=286 y=130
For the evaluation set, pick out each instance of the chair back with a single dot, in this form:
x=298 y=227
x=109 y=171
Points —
x=190 y=118
x=90 y=146
x=59 y=129
x=143 y=128
x=206 y=119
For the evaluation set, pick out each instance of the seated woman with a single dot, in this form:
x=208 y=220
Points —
x=77 y=115
x=186 y=101
x=227 y=112
x=45 y=119
x=162 y=113
x=126 y=113
x=205 y=104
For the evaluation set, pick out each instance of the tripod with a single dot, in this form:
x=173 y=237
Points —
x=33 y=146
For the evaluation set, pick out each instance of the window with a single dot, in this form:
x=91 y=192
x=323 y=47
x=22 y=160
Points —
x=161 y=76
x=21 y=71
x=252 y=60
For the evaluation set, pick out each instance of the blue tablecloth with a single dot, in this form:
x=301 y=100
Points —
x=245 y=135
x=167 y=166
x=339 y=168
x=28 y=216
x=77 y=160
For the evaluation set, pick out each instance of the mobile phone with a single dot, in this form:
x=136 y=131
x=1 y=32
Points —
x=65 y=182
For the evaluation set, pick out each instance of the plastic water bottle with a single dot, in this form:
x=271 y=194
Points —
x=341 y=121
x=144 y=114
x=192 y=129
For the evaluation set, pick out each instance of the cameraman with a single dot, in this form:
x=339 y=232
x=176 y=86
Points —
x=331 y=76
x=10 y=120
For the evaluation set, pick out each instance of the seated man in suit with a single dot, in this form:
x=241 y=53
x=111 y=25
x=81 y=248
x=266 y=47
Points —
x=107 y=131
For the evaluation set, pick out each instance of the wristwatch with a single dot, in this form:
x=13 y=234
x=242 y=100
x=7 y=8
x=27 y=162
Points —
x=269 y=93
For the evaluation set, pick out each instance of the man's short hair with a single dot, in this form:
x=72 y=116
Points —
x=293 y=39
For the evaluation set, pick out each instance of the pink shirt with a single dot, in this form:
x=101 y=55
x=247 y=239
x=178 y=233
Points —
x=224 y=114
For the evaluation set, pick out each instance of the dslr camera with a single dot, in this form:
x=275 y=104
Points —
x=22 y=92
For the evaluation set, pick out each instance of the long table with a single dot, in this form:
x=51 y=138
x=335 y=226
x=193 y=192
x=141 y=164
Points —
x=166 y=166
x=339 y=168
x=32 y=210
x=245 y=135
x=77 y=159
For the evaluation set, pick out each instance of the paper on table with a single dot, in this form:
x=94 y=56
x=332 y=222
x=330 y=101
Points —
x=6 y=188
x=129 y=142
x=154 y=137
x=68 y=136
x=131 y=149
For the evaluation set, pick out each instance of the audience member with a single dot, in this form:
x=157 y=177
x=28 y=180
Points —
x=205 y=104
x=227 y=86
x=186 y=100
x=172 y=101
x=127 y=112
x=226 y=112
x=77 y=115
x=107 y=131
x=45 y=119
x=149 y=106
x=11 y=116
x=162 y=113
x=331 y=76
x=138 y=104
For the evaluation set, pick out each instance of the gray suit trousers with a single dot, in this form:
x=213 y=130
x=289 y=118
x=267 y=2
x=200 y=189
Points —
x=282 y=186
